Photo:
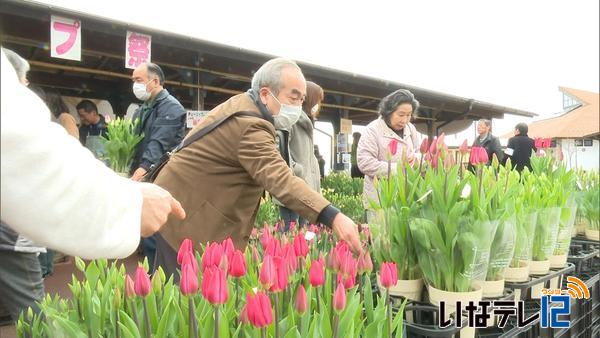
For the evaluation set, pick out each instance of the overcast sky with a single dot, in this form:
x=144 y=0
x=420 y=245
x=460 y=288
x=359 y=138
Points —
x=507 y=52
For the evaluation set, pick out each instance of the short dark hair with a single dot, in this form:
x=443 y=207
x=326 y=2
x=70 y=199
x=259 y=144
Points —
x=155 y=69
x=390 y=103
x=87 y=106
x=522 y=128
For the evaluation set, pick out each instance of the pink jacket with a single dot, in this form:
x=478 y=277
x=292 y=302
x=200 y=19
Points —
x=373 y=149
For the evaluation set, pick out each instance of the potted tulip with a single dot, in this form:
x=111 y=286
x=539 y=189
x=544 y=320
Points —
x=526 y=220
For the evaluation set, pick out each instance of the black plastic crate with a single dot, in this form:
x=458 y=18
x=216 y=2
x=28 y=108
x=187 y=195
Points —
x=524 y=288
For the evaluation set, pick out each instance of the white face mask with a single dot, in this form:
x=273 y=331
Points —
x=288 y=115
x=139 y=90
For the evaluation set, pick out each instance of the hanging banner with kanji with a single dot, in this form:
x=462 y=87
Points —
x=138 y=48
x=65 y=38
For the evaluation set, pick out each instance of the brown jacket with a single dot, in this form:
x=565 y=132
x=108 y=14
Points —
x=220 y=178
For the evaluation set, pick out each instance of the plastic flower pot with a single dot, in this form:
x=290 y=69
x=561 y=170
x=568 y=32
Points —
x=593 y=235
x=450 y=299
x=409 y=289
x=520 y=274
x=490 y=289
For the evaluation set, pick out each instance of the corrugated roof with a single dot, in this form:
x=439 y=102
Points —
x=583 y=121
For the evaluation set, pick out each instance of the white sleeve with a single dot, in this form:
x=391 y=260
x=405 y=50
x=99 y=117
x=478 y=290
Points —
x=53 y=190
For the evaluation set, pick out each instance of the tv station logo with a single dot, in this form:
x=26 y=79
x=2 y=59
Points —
x=553 y=303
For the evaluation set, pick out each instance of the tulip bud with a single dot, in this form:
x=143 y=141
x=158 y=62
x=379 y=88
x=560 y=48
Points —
x=80 y=264
x=483 y=155
x=301 y=304
x=388 y=275
x=339 y=298
x=260 y=312
x=424 y=146
x=316 y=273
x=117 y=299
x=244 y=315
x=365 y=264
x=190 y=258
x=129 y=287
x=393 y=146
x=189 y=280
x=255 y=254
x=157 y=282
x=214 y=286
x=142 y=284
x=237 y=268
x=186 y=245
x=267 y=276
x=300 y=246
x=433 y=146
x=228 y=248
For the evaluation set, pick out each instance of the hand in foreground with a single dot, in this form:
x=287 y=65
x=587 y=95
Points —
x=157 y=205
x=346 y=230
x=138 y=174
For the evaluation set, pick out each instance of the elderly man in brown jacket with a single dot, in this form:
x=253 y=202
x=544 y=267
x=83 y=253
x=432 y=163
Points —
x=220 y=178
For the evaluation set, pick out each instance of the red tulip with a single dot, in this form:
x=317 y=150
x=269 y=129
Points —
x=189 y=280
x=341 y=251
x=424 y=146
x=186 y=245
x=129 y=287
x=237 y=268
x=190 y=258
x=316 y=274
x=464 y=148
x=267 y=276
x=142 y=284
x=348 y=265
x=273 y=248
x=301 y=304
x=483 y=156
x=348 y=281
x=539 y=143
x=393 y=146
x=300 y=246
x=260 y=312
x=339 y=298
x=474 y=157
x=281 y=274
x=547 y=142
x=214 y=285
x=365 y=264
x=433 y=146
x=212 y=255
x=266 y=236
x=388 y=275
x=289 y=255
x=228 y=248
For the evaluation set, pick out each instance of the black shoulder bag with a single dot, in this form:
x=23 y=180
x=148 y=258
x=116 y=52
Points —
x=152 y=173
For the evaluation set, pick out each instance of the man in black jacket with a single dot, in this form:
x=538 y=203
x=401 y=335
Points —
x=519 y=147
x=161 y=120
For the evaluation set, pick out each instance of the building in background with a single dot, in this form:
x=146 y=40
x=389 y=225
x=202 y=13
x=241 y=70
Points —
x=575 y=131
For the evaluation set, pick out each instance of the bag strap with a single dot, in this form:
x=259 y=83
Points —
x=200 y=133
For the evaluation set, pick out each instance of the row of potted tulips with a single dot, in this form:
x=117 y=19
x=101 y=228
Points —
x=276 y=287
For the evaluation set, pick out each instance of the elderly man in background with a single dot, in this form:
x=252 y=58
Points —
x=221 y=178
x=162 y=123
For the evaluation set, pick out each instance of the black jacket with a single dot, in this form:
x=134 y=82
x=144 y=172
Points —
x=492 y=145
x=163 y=125
x=522 y=146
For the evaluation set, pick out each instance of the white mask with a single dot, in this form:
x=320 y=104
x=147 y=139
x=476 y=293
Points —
x=139 y=90
x=288 y=115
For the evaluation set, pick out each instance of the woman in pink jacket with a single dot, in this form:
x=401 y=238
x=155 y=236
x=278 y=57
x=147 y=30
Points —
x=396 y=111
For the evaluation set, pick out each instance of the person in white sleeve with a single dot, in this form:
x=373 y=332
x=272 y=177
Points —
x=46 y=193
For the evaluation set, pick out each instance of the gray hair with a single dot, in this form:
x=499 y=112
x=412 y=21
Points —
x=488 y=123
x=390 y=103
x=21 y=65
x=269 y=74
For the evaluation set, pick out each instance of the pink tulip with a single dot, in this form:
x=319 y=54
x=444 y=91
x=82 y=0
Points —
x=289 y=255
x=301 y=304
x=255 y=254
x=244 y=315
x=440 y=142
x=254 y=233
x=292 y=226
x=393 y=146
x=107 y=118
x=273 y=248
x=464 y=148
x=388 y=275
x=474 y=157
x=316 y=274
x=424 y=146
x=267 y=276
x=237 y=268
x=129 y=287
x=212 y=255
x=365 y=264
x=186 y=245
x=314 y=228
x=214 y=285
x=266 y=236
x=433 y=146
x=281 y=275
x=142 y=284
x=483 y=156
x=339 y=298
x=348 y=281
x=538 y=143
x=547 y=142
x=189 y=280
x=260 y=312
x=300 y=246
x=331 y=260
x=228 y=248
x=190 y=258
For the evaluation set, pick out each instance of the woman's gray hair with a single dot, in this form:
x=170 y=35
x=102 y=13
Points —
x=390 y=103
x=21 y=65
x=269 y=74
